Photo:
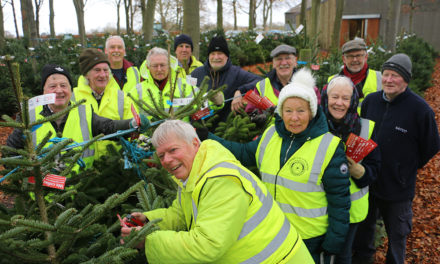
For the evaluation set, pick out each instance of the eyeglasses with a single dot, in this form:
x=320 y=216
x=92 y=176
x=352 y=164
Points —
x=357 y=56
x=155 y=66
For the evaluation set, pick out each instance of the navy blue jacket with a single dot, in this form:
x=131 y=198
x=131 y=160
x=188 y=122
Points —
x=407 y=136
x=233 y=76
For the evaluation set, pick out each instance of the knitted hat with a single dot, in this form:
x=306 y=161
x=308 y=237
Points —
x=89 y=58
x=301 y=86
x=183 y=39
x=401 y=64
x=218 y=43
x=355 y=44
x=282 y=49
x=50 y=69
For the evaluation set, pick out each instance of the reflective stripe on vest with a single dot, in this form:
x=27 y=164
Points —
x=139 y=90
x=378 y=80
x=266 y=140
x=32 y=118
x=365 y=128
x=136 y=74
x=262 y=87
x=257 y=218
x=121 y=104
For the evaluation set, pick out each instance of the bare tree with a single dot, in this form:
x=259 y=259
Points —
x=79 y=8
x=251 y=14
x=38 y=4
x=148 y=18
x=11 y=2
x=191 y=23
x=337 y=24
x=267 y=7
x=118 y=19
x=2 y=27
x=127 y=6
x=219 y=15
x=51 y=19
x=315 y=17
x=28 y=22
x=234 y=6
x=302 y=16
x=392 y=24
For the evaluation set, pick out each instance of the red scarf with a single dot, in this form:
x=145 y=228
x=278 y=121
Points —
x=161 y=84
x=356 y=77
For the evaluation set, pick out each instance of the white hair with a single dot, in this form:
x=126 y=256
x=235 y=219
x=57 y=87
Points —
x=339 y=80
x=179 y=128
x=114 y=37
x=156 y=51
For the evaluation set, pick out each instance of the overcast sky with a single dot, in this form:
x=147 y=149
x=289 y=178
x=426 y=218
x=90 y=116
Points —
x=101 y=14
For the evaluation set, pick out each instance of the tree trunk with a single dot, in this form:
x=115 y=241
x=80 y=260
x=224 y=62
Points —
x=219 y=15
x=79 y=7
x=2 y=28
x=337 y=25
x=315 y=17
x=148 y=19
x=127 y=16
x=38 y=4
x=28 y=22
x=251 y=14
x=234 y=5
x=118 y=20
x=191 y=22
x=302 y=16
x=265 y=13
x=15 y=19
x=51 y=19
x=392 y=24
x=132 y=9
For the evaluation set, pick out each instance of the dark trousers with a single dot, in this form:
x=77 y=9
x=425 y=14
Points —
x=397 y=217
x=345 y=256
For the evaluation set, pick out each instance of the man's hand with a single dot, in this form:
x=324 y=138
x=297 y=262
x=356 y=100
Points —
x=125 y=230
x=218 y=98
x=237 y=103
x=356 y=169
x=144 y=124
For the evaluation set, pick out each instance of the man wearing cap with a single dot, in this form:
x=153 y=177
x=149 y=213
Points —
x=80 y=123
x=101 y=90
x=124 y=72
x=366 y=80
x=407 y=139
x=220 y=70
x=183 y=47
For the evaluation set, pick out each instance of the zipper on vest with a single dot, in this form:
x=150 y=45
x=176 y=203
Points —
x=290 y=146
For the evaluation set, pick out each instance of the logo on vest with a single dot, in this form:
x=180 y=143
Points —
x=343 y=168
x=298 y=166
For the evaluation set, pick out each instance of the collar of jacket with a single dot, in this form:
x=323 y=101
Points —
x=209 y=154
x=126 y=64
x=317 y=126
x=398 y=98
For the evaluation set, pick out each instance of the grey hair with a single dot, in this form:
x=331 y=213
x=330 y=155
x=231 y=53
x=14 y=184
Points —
x=114 y=37
x=156 y=51
x=179 y=128
x=337 y=81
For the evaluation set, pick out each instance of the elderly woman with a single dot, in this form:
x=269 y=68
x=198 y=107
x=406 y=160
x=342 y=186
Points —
x=340 y=101
x=304 y=167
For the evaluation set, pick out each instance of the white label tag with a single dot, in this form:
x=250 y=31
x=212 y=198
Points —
x=259 y=38
x=181 y=101
x=41 y=100
x=299 y=29
x=191 y=80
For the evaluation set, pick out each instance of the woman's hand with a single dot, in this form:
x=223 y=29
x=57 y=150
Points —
x=356 y=169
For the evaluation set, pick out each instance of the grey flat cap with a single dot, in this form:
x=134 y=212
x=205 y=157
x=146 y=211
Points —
x=355 y=44
x=282 y=49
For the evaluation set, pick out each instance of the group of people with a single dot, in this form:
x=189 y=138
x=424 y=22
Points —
x=310 y=201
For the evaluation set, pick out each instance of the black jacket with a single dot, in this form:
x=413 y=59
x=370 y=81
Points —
x=233 y=76
x=407 y=138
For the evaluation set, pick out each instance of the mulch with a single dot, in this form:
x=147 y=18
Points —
x=423 y=244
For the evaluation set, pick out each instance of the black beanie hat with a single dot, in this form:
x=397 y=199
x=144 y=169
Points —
x=50 y=69
x=218 y=43
x=90 y=57
x=401 y=64
x=183 y=39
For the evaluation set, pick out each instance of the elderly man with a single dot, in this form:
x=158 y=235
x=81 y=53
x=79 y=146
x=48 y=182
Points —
x=221 y=71
x=222 y=214
x=355 y=56
x=183 y=47
x=407 y=139
x=100 y=89
x=80 y=124
x=125 y=74
x=159 y=79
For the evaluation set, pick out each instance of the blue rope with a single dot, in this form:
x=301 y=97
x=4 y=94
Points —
x=134 y=154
